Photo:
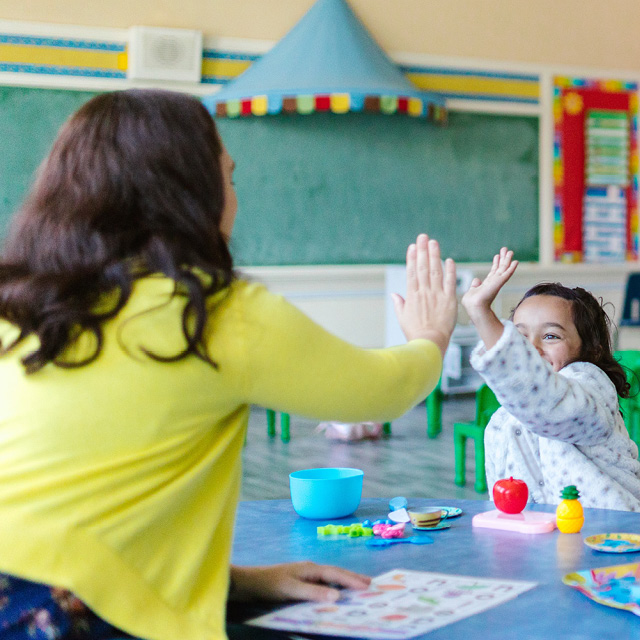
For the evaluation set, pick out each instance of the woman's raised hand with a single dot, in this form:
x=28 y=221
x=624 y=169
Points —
x=482 y=293
x=430 y=307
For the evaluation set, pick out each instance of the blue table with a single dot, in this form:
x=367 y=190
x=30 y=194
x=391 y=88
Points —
x=269 y=531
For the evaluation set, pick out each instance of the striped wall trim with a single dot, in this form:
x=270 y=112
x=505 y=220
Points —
x=226 y=55
x=219 y=67
x=492 y=97
x=62 y=57
x=101 y=59
x=61 y=71
x=63 y=43
x=445 y=71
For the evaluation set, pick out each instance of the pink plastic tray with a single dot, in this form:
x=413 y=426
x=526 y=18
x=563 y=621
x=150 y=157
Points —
x=525 y=522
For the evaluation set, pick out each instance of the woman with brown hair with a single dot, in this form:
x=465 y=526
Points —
x=130 y=355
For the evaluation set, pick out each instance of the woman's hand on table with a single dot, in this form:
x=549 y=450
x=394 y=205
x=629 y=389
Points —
x=293 y=581
x=430 y=307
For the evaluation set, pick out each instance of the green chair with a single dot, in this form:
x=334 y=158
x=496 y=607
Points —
x=630 y=360
x=433 y=404
x=486 y=405
x=285 y=424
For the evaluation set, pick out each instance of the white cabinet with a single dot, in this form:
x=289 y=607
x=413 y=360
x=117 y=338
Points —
x=457 y=374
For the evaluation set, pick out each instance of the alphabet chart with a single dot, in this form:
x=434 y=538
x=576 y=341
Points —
x=398 y=604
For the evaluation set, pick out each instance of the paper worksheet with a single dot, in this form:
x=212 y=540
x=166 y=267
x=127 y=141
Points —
x=398 y=604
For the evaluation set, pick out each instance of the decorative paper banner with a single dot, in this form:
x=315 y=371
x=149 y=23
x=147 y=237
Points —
x=334 y=103
x=327 y=62
x=582 y=160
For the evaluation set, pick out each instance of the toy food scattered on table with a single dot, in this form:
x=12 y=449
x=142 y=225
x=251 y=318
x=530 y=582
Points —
x=429 y=517
x=389 y=530
x=354 y=530
x=398 y=503
x=443 y=524
x=510 y=495
x=382 y=542
x=569 y=514
x=399 y=515
x=614 y=542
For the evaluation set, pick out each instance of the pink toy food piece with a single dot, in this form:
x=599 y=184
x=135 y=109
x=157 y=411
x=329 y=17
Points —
x=389 y=530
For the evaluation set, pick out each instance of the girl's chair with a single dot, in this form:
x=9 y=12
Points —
x=486 y=406
x=630 y=360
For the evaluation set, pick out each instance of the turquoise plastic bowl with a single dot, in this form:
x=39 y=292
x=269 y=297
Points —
x=326 y=493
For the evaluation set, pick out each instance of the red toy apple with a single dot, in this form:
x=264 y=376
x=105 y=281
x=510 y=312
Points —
x=510 y=495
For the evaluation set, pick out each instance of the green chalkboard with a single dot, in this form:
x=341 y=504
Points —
x=358 y=188
x=337 y=189
x=29 y=121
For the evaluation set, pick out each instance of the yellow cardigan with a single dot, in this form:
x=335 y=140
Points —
x=119 y=479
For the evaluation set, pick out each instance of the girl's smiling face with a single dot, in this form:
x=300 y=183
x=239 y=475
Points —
x=547 y=323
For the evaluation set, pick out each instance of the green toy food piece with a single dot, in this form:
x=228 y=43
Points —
x=570 y=493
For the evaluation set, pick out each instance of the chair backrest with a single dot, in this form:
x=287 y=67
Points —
x=486 y=405
x=631 y=308
x=630 y=361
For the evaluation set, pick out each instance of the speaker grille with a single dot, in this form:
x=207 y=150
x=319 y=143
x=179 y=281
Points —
x=165 y=54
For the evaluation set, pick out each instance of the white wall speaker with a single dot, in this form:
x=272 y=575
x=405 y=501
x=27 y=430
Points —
x=164 y=54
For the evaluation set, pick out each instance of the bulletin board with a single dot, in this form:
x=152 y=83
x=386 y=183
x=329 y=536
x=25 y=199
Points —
x=595 y=170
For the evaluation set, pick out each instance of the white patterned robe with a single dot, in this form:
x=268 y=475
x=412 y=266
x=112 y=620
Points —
x=556 y=429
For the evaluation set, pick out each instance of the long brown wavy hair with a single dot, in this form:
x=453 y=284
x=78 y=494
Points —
x=133 y=185
x=593 y=326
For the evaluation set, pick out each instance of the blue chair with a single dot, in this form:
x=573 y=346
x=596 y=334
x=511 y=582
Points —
x=631 y=307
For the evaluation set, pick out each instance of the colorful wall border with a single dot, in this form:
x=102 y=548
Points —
x=220 y=67
x=62 y=56
x=476 y=84
x=560 y=83
x=108 y=60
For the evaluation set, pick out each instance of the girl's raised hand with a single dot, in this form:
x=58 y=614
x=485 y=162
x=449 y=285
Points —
x=482 y=293
x=430 y=308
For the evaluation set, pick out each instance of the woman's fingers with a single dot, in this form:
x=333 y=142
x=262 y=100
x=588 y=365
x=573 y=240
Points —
x=412 y=279
x=423 y=259
x=435 y=265
x=450 y=282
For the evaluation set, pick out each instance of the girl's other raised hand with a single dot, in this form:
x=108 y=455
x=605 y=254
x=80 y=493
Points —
x=482 y=293
x=430 y=308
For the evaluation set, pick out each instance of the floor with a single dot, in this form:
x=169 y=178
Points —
x=407 y=463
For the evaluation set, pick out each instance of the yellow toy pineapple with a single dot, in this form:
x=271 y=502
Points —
x=569 y=514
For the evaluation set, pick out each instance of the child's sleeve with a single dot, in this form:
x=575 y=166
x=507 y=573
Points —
x=296 y=366
x=576 y=405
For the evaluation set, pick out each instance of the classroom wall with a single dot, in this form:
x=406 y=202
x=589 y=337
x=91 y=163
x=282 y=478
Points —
x=351 y=301
x=592 y=33
x=585 y=34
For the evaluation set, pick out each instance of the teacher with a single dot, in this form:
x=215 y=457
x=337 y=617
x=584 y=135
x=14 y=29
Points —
x=130 y=354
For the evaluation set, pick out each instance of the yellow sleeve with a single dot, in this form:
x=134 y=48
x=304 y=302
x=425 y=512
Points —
x=297 y=367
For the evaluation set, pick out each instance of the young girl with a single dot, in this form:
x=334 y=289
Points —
x=552 y=370
x=130 y=353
